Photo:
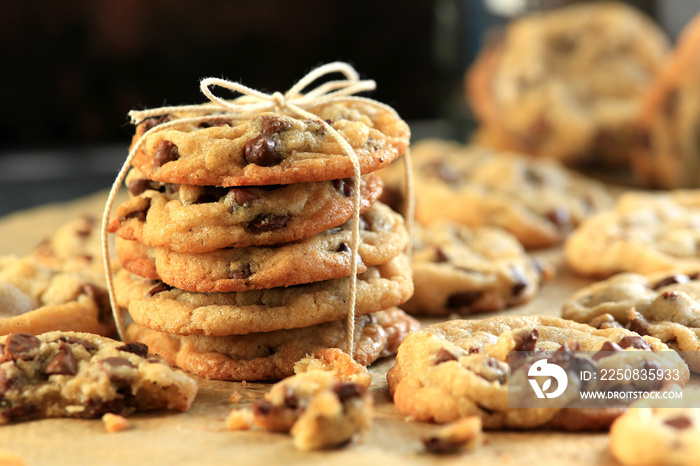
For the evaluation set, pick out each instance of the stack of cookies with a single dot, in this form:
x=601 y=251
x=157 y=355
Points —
x=236 y=240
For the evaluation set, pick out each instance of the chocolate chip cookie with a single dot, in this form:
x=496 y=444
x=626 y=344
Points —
x=272 y=355
x=197 y=219
x=668 y=153
x=568 y=83
x=538 y=201
x=649 y=436
x=458 y=368
x=160 y=307
x=457 y=269
x=271 y=148
x=665 y=305
x=36 y=299
x=645 y=232
x=81 y=375
x=323 y=256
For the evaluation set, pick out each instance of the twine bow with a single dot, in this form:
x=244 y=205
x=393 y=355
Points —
x=293 y=101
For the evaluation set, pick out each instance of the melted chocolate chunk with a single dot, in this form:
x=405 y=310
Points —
x=64 y=363
x=139 y=186
x=240 y=273
x=24 y=346
x=634 y=342
x=672 y=280
x=443 y=356
x=520 y=281
x=261 y=151
x=272 y=125
x=526 y=342
x=115 y=362
x=140 y=215
x=135 y=347
x=154 y=121
x=158 y=288
x=345 y=186
x=441 y=445
x=267 y=222
x=344 y=247
x=243 y=196
x=638 y=324
x=680 y=422
x=164 y=152
x=606 y=350
x=463 y=300
x=262 y=407
x=560 y=217
x=440 y=256
x=89 y=346
x=347 y=391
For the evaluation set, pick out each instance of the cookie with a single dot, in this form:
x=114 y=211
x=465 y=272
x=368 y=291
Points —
x=458 y=368
x=199 y=219
x=320 y=408
x=650 y=436
x=75 y=247
x=165 y=309
x=81 y=375
x=272 y=355
x=457 y=269
x=36 y=299
x=668 y=153
x=271 y=148
x=643 y=233
x=664 y=305
x=568 y=83
x=323 y=256
x=538 y=201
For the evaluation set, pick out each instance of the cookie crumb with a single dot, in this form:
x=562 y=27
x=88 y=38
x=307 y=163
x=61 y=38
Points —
x=338 y=363
x=235 y=397
x=464 y=434
x=10 y=458
x=115 y=422
x=240 y=419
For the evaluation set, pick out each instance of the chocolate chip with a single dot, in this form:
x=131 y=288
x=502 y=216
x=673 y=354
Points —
x=634 y=342
x=140 y=214
x=638 y=324
x=526 y=341
x=441 y=446
x=364 y=224
x=24 y=346
x=272 y=125
x=671 y=280
x=215 y=122
x=64 y=363
x=241 y=273
x=135 y=347
x=607 y=348
x=154 y=121
x=532 y=176
x=243 y=196
x=262 y=408
x=440 y=256
x=261 y=151
x=139 y=186
x=87 y=226
x=347 y=391
x=164 y=152
x=158 y=288
x=463 y=300
x=563 y=45
x=345 y=186
x=115 y=362
x=443 y=356
x=671 y=295
x=680 y=422
x=291 y=400
x=211 y=194
x=89 y=346
x=343 y=247
x=268 y=222
x=520 y=281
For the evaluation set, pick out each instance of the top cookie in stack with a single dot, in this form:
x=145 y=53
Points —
x=236 y=239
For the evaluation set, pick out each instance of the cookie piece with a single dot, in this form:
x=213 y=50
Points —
x=160 y=307
x=458 y=368
x=36 y=299
x=67 y=374
x=272 y=355
x=643 y=233
x=665 y=305
x=457 y=269
x=463 y=434
x=538 y=201
x=321 y=408
x=650 y=436
x=668 y=153
x=323 y=256
x=568 y=83
x=199 y=219
x=271 y=148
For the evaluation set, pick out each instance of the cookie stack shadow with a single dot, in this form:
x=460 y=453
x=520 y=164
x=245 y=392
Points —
x=238 y=275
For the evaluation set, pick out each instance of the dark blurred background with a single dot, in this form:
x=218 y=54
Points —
x=71 y=70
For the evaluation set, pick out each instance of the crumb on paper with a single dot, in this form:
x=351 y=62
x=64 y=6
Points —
x=235 y=397
x=245 y=385
x=10 y=458
x=337 y=362
x=115 y=422
x=463 y=434
x=240 y=419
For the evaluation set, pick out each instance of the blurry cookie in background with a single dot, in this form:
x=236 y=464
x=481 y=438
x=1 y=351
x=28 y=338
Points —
x=538 y=201
x=567 y=83
x=668 y=155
